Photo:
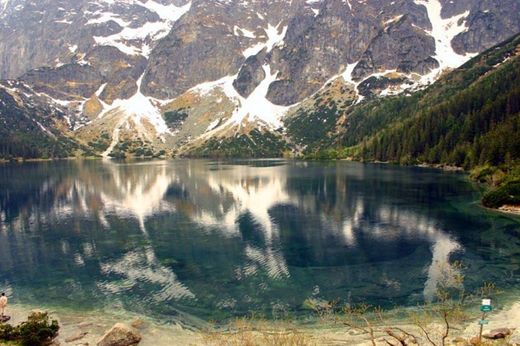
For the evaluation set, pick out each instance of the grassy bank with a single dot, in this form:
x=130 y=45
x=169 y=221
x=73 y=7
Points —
x=501 y=183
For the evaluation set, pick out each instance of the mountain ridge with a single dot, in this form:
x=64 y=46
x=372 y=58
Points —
x=123 y=68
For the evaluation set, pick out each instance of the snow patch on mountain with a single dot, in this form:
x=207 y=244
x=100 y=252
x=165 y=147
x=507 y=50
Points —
x=104 y=17
x=275 y=37
x=257 y=107
x=138 y=108
x=169 y=13
x=254 y=108
x=142 y=108
x=238 y=31
x=3 y=6
x=45 y=130
x=115 y=138
x=73 y=48
x=347 y=74
x=347 y=77
x=131 y=41
x=444 y=31
x=393 y=20
x=135 y=41
x=225 y=84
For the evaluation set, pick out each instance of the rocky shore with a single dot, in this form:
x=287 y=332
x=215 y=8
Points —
x=512 y=209
x=106 y=329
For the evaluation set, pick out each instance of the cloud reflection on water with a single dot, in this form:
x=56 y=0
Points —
x=218 y=198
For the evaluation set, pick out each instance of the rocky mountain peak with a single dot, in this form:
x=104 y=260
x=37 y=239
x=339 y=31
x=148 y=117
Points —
x=175 y=72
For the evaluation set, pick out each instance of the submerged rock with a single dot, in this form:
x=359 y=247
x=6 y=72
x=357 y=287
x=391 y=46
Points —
x=120 y=335
x=138 y=324
x=85 y=324
x=4 y=319
x=78 y=336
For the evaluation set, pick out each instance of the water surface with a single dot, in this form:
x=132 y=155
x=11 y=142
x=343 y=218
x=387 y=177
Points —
x=215 y=240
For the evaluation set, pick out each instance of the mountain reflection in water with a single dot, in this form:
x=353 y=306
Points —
x=216 y=239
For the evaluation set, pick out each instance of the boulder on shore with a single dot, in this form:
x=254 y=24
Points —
x=4 y=318
x=499 y=333
x=120 y=335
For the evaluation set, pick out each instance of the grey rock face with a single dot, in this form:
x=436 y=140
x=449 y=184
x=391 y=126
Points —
x=209 y=41
x=251 y=74
x=200 y=48
x=119 y=71
x=317 y=48
x=413 y=12
x=103 y=65
x=400 y=46
x=41 y=33
x=93 y=52
x=67 y=82
x=489 y=22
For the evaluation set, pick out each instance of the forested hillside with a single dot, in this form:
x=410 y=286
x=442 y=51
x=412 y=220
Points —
x=470 y=118
x=30 y=128
x=476 y=125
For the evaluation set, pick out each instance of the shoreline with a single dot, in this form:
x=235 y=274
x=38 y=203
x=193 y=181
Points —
x=514 y=212
x=20 y=160
x=328 y=330
x=510 y=209
x=94 y=324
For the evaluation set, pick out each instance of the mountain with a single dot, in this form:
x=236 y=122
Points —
x=455 y=121
x=225 y=77
x=469 y=118
x=32 y=126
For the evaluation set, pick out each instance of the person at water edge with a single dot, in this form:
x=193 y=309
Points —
x=3 y=304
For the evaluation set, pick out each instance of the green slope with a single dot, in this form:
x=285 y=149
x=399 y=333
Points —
x=255 y=144
x=29 y=129
x=470 y=118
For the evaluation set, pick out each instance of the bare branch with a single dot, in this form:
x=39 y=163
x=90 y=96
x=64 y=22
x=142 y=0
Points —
x=427 y=335
x=402 y=340
x=389 y=343
x=447 y=330
x=409 y=335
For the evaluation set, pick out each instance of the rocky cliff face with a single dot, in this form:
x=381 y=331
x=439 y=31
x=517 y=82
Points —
x=233 y=65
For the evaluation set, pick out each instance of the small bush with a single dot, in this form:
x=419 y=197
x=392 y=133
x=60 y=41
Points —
x=38 y=330
x=509 y=193
x=7 y=332
x=482 y=174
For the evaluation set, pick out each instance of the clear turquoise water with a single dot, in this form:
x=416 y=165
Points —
x=215 y=240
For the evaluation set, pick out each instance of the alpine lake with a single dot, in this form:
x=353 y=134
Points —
x=203 y=240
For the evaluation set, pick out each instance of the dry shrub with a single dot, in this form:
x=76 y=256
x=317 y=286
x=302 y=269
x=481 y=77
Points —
x=243 y=332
